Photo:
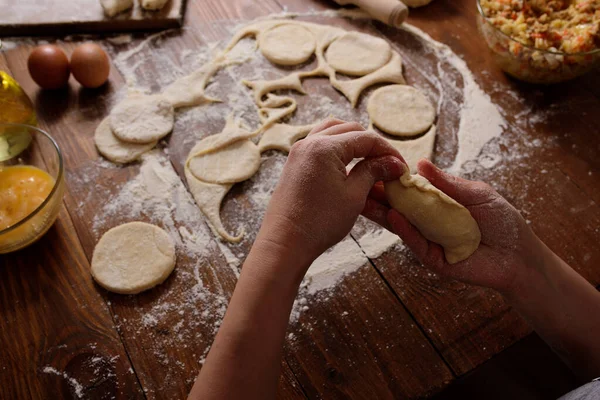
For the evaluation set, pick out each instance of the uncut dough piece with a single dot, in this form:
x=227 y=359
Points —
x=142 y=119
x=287 y=44
x=153 y=5
x=116 y=150
x=415 y=149
x=133 y=257
x=114 y=7
x=436 y=215
x=358 y=53
x=400 y=110
x=234 y=163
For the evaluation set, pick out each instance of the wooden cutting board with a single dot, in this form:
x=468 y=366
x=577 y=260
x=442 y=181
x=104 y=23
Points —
x=63 y=17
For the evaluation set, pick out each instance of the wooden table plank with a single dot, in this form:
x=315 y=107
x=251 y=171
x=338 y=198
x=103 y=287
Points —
x=56 y=333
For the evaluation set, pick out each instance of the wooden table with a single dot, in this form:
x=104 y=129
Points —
x=389 y=330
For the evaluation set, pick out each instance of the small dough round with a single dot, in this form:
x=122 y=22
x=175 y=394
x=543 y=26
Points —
x=133 y=257
x=142 y=119
x=358 y=54
x=287 y=44
x=416 y=3
x=116 y=150
x=400 y=110
x=234 y=163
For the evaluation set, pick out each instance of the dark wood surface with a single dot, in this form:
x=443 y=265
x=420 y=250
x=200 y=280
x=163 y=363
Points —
x=58 y=17
x=391 y=329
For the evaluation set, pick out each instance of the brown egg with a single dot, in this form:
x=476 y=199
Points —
x=48 y=66
x=90 y=65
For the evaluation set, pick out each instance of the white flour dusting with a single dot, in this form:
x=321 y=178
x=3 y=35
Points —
x=376 y=242
x=480 y=119
x=77 y=387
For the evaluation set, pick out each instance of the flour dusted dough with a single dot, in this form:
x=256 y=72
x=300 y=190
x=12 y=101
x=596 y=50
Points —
x=358 y=54
x=153 y=4
x=189 y=90
x=287 y=44
x=133 y=257
x=209 y=195
x=114 y=148
x=283 y=136
x=114 y=7
x=233 y=163
x=400 y=110
x=436 y=215
x=415 y=149
x=142 y=119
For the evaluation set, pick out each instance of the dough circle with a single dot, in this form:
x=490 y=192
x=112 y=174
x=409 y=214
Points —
x=133 y=257
x=400 y=110
x=436 y=215
x=287 y=44
x=116 y=150
x=358 y=54
x=234 y=163
x=142 y=119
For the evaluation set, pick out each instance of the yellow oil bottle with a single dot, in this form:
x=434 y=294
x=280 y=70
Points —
x=15 y=106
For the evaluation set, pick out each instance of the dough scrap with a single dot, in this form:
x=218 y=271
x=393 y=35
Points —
x=391 y=72
x=114 y=7
x=133 y=257
x=153 y=5
x=234 y=163
x=190 y=90
x=114 y=148
x=415 y=149
x=359 y=54
x=142 y=119
x=287 y=44
x=436 y=215
x=208 y=196
x=400 y=110
x=283 y=136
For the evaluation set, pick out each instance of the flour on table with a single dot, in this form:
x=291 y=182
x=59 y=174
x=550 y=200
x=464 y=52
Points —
x=75 y=385
x=376 y=242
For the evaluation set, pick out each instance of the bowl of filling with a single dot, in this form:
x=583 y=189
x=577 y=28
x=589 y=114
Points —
x=542 y=41
x=31 y=185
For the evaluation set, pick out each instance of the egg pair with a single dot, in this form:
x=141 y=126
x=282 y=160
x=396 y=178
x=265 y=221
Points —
x=50 y=68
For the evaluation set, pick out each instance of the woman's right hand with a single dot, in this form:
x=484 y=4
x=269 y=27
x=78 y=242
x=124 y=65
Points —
x=508 y=247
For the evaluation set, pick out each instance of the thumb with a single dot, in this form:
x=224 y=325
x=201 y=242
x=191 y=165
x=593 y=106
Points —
x=462 y=190
x=370 y=170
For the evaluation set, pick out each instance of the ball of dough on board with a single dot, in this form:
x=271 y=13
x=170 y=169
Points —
x=142 y=119
x=436 y=215
x=133 y=257
x=358 y=54
x=153 y=5
x=400 y=110
x=287 y=44
x=234 y=163
x=114 y=148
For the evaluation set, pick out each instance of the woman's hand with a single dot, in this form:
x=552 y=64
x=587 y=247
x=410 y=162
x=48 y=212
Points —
x=316 y=201
x=508 y=247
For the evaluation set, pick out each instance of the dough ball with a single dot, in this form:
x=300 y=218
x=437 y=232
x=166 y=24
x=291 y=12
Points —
x=358 y=54
x=436 y=215
x=234 y=163
x=133 y=257
x=416 y=3
x=287 y=44
x=114 y=148
x=142 y=119
x=114 y=7
x=400 y=110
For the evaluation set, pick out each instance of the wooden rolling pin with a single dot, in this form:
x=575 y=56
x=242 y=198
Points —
x=391 y=12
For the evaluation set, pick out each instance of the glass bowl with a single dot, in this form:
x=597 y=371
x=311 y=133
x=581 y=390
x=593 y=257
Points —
x=29 y=146
x=533 y=65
